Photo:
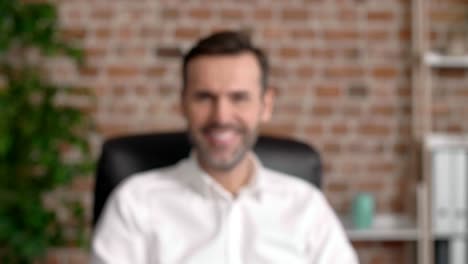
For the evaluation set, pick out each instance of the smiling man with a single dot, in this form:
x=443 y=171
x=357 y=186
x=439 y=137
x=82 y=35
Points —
x=221 y=205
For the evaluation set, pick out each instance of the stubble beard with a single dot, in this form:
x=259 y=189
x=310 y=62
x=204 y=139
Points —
x=207 y=155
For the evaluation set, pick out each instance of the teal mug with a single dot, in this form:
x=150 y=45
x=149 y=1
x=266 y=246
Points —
x=363 y=210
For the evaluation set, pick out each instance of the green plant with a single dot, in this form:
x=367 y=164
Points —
x=37 y=134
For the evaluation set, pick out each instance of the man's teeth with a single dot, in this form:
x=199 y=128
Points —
x=222 y=135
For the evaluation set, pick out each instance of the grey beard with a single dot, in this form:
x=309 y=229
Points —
x=238 y=156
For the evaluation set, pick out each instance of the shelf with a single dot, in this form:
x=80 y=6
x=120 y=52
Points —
x=442 y=140
x=385 y=228
x=445 y=61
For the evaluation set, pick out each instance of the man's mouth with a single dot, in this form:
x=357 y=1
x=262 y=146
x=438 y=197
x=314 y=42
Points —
x=221 y=136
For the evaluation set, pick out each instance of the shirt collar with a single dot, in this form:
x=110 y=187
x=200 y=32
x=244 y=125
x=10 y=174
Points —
x=209 y=188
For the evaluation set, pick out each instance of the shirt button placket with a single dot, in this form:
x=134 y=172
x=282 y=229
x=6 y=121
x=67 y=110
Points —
x=234 y=233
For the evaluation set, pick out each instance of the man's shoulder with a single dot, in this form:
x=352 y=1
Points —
x=286 y=184
x=160 y=180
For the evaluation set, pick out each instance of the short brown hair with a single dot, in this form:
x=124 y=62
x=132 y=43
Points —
x=226 y=43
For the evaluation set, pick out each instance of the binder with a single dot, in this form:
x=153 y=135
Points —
x=443 y=222
x=459 y=184
x=458 y=250
x=460 y=197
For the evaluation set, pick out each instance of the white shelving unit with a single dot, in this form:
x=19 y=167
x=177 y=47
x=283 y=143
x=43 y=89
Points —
x=436 y=60
x=450 y=160
x=384 y=228
x=425 y=61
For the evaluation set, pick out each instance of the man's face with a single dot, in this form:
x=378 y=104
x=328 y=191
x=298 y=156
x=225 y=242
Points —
x=224 y=104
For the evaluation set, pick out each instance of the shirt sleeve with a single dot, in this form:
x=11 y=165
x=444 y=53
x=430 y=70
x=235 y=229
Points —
x=118 y=237
x=327 y=242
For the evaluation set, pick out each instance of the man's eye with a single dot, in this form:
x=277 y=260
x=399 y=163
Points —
x=240 y=97
x=202 y=96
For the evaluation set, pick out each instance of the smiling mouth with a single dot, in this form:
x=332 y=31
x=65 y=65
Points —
x=220 y=136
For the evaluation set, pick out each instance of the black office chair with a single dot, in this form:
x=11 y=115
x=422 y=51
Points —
x=124 y=156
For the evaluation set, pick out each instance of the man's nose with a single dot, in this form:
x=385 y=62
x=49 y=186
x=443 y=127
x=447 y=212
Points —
x=222 y=111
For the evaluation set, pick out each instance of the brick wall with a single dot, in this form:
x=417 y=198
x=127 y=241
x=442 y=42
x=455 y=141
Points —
x=341 y=69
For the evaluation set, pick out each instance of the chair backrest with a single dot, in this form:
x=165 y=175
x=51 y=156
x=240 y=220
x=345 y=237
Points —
x=124 y=156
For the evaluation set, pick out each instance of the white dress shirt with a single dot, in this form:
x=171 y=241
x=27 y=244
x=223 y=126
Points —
x=180 y=215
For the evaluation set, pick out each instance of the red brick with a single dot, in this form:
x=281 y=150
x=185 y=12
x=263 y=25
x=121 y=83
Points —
x=53 y=257
x=167 y=89
x=385 y=72
x=142 y=90
x=92 y=52
x=73 y=33
x=123 y=109
x=347 y=14
x=289 y=53
x=358 y=91
x=263 y=14
x=169 y=52
x=305 y=71
x=187 y=33
x=371 y=129
x=200 y=13
x=290 y=109
x=332 y=148
x=405 y=34
x=378 y=35
x=404 y=91
x=381 y=167
x=344 y=72
x=83 y=184
x=273 y=33
x=119 y=90
x=338 y=187
x=126 y=33
x=401 y=148
x=322 y=53
x=88 y=71
x=451 y=72
x=150 y=32
x=339 y=129
x=170 y=13
x=103 y=32
x=454 y=128
x=351 y=111
x=122 y=71
x=78 y=257
x=136 y=13
x=156 y=71
x=380 y=16
x=314 y=130
x=232 y=13
x=328 y=91
x=295 y=14
x=341 y=35
x=322 y=110
x=277 y=129
x=371 y=186
x=102 y=13
x=383 y=110
x=303 y=33
x=278 y=72
x=447 y=16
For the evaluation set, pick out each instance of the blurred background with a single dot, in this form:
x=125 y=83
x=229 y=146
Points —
x=352 y=77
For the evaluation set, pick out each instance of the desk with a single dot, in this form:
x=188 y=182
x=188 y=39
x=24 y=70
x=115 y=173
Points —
x=385 y=228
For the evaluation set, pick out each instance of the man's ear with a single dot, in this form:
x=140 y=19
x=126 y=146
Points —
x=268 y=104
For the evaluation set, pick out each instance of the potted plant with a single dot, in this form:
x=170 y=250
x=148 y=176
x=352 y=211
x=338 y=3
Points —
x=37 y=134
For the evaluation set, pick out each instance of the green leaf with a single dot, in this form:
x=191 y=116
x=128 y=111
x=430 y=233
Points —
x=33 y=133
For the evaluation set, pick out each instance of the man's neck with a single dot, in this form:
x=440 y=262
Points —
x=233 y=180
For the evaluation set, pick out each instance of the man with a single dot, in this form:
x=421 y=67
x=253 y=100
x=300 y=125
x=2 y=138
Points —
x=221 y=205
